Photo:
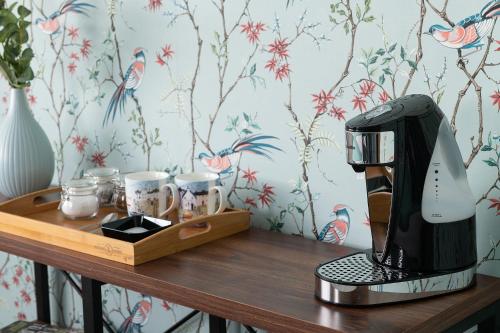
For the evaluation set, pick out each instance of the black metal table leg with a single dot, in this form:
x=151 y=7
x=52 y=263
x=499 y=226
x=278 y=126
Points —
x=491 y=324
x=216 y=324
x=42 y=293
x=92 y=305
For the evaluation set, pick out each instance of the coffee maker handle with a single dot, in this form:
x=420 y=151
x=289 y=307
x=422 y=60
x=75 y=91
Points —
x=175 y=199
x=223 y=204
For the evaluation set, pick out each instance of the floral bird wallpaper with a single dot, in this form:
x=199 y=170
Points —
x=258 y=91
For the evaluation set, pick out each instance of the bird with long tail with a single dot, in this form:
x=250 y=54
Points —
x=335 y=232
x=51 y=25
x=131 y=81
x=139 y=316
x=223 y=161
x=469 y=32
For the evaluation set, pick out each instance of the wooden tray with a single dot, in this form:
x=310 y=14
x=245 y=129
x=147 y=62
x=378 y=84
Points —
x=35 y=216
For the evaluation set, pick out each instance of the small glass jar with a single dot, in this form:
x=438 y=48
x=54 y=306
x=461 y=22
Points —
x=119 y=196
x=79 y=199
x=105 y=178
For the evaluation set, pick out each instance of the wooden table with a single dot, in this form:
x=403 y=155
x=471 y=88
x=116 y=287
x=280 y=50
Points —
x=257 y=278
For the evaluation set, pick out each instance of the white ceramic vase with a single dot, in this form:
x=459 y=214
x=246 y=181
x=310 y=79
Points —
x=26 y=156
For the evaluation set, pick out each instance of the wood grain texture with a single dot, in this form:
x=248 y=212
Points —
x=261 y=279
x=35 y=216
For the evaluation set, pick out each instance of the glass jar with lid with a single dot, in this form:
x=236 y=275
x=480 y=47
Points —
x=79 y=199
x=119 y=196
x=105 y=178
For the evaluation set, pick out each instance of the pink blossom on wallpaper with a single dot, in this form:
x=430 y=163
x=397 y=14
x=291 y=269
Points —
x=266 y=195
x=322 y=101
x=21 y=316
x=16 y=303
x=359 y=103
x=498 y=48
x=282 y=72
x=495 y=99
x=72 y=68
x=85 y=49
x=383 y=96
x=337 y=113
x=99 y=159
x=27 y=279
x=250 y=202
x=253 y=30
x=25 y=296
x=160 y=61
x=5 y=285
x=19 y=270
x=154 y=5
x=367 y=88
x=250 y=176
x=73 y=33
x=80 y=142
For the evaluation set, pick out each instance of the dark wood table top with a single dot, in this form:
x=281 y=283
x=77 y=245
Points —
x=262 y=279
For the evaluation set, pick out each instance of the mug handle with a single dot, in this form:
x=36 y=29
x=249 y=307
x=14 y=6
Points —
x=175 y=199
x=223 y=204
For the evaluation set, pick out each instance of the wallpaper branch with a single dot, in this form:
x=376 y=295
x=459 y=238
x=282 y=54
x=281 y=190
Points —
x=258 y=92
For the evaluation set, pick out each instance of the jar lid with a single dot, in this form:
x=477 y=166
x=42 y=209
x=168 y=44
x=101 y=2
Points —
x=102 y=174
x=80 y=187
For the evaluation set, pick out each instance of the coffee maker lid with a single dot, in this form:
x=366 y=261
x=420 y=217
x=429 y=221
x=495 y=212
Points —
x=385 y=117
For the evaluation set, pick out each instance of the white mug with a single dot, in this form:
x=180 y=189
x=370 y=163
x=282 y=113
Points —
x=147 y=194
x=197 y=193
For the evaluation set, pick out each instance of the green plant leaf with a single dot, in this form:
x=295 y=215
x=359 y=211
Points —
x=392 y=47
x=486 y=148
x=402 y=53
x=412 y=64
x=381 y=79
x=23 y=11
x=491 y=162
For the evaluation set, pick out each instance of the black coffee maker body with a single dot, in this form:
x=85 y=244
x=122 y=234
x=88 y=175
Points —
x=421 y=208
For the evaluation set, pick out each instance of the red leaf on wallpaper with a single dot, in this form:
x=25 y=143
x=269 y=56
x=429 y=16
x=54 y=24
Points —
x=367 y=88
x=72 y=68
x=250 y=202
x=160 y=61
x=15 y=280
x=250 y=176
x=74 y=56
x=99 y=159
x=154 y=5
x=25 y=296
x=279 y=48
x=80 y=143
x=322 y=100
x=73 y=33
x=359 y=103
x=85 y=49
x=252 y=30
x=495 y=203
x=19 y=270
x=167 y=51
x=495 y=99
x=21 y=316
x=271 y=64
x=266 y=195
x=498 y=48
x=337 y=113
x=383 y=96
x=5 y=285
x=282 y=72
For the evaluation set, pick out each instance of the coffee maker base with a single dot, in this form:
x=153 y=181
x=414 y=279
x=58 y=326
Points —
x=357 y=280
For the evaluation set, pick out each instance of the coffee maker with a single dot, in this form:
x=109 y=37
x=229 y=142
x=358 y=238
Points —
x=420 y=205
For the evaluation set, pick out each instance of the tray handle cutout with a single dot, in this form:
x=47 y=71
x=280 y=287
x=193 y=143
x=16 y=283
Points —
x=190 y=229
x=33 y=202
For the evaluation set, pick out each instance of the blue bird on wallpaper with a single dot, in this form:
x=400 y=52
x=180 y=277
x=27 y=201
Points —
x=139 y=316
x=469 y=32
x=224 y=160
x=131 y=81
x=336 y=231
x=50 y=25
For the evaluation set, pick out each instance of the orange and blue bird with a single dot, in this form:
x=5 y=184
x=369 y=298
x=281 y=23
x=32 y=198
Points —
x=139 y=316
x=335 y=232
x=223 y=161
x=50 y=24
x=131 y=81
x=468 y=33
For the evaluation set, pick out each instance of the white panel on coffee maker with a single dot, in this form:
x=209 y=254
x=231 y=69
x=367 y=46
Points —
x=447 y=196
